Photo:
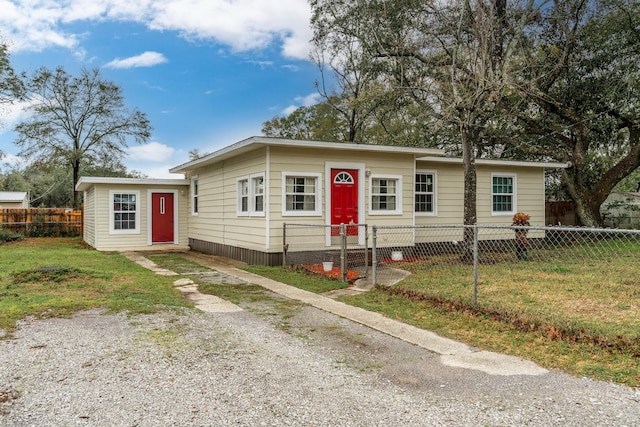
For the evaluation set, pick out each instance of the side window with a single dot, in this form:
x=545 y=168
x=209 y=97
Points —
x=250 y=191
x=124 y=212
x=503 y=194
x=194 y=195
x=425 y=193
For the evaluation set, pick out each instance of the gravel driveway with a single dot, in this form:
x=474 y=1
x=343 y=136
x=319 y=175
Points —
x=273 y=367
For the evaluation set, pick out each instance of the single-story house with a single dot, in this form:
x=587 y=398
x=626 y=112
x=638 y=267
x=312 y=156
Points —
x=14 y=200
x=233 y=202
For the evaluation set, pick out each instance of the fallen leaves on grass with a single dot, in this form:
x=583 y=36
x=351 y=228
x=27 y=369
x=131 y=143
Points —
x=335 y=273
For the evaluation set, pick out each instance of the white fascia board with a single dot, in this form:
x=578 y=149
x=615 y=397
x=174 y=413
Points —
x=261 y=141
x=87 y=181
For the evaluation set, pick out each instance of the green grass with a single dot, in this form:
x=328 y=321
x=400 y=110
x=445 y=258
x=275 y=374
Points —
x=561 y=308
x=567 y=292
x=177 y=263
x=79 y=278
x=298 y=278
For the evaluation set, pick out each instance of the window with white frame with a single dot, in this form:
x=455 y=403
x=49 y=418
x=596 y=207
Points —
x=251 y=195
x=385 y=195
x=503 y=194
x=257 y=193
x=425 y=193
x=301 y=194
x=194 y=195
x=124 y=212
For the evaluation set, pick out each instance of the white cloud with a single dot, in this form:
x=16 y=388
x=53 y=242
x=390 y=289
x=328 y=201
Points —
x=11 y=114
x=151 y=152
x=241 y=24
x=302 y=101
x=147 y=59
x=11 y=160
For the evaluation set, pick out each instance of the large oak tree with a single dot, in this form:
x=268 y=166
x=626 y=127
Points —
x=78 y=119
x=576 y=97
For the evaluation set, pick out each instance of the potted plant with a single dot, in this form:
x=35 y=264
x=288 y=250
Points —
x=521 y=220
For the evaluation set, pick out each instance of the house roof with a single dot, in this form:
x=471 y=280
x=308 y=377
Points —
x=12 y=196
x=87 y=181
x=491 y=162
x=260 y=141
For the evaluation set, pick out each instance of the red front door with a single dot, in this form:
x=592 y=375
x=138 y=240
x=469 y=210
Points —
x=162 y=218
x=344 y=200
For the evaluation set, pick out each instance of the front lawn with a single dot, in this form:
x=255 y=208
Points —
x=564 y=310
x=44 y=277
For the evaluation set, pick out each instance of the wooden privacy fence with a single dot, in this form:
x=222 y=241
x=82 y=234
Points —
x=42 y=222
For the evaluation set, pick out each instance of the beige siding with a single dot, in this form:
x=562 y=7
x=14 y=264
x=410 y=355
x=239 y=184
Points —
x=530 y=197
x=89 y=213
x=14 y=205
x=217 y=220
x=449 y=194
x=317 y=161
x=104 y=239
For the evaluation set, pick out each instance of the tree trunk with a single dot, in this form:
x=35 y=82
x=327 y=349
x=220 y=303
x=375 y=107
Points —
x=76 y=177
x=470 y=215
x=587 y=204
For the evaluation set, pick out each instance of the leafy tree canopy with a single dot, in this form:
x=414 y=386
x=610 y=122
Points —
x=77 y=120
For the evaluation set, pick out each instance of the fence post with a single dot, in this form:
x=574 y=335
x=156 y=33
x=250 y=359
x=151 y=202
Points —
x=475 y=265
x=374 y=257
x=284 y=244
x=366 y=250
x=343 y=251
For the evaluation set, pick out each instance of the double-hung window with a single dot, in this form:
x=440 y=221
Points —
x=194 y=195
x=251 y=195
x=301 y=194
x=124 y=212
x=425 y=193
x=385 y=195
x=503 y=194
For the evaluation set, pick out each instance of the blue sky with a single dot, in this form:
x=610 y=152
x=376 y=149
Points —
x=206 y=72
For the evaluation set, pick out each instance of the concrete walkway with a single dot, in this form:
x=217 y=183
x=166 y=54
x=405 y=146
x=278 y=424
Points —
x=452 y=353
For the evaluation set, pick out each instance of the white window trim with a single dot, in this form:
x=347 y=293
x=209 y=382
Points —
x=398 y=209
x=194 y=196
x=514 y=195
x=318 y=207
x=435 y=192
x=112 y=229
x=251 y=202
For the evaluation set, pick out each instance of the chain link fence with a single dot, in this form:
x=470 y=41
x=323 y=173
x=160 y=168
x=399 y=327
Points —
x=455 y=261
x=339 y=251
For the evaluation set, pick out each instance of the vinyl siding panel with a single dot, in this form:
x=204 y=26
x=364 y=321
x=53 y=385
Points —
x=89 y=212
x=217 y=220
x=449 y=191
x=530 y=197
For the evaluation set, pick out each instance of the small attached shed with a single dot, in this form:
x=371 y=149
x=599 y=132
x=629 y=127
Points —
x=135 y=214
x=14 y=200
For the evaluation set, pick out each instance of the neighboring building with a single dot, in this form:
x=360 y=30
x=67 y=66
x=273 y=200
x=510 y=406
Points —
x=14 y=200
x=240 y=196
x=621 y=210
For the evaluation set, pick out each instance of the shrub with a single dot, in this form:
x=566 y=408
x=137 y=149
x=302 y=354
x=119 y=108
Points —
x=9 y=236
